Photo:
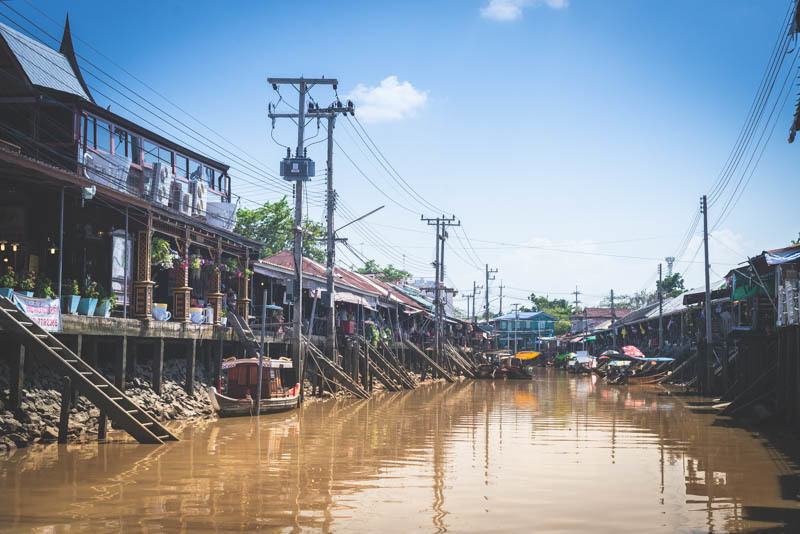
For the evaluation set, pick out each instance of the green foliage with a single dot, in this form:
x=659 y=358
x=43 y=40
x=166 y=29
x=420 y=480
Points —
x=796 y=241
x=388 y=274
x=632 y=301
x=273 y=225
x=28 y=282
x=70 y=287
x=9 y=280
x=90 y=291
x=561 y=327
x=672 y=285
x=161 y=255
x=43 y=289
x=558 y=308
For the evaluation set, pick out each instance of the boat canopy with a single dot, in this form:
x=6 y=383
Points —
x=527 y=355
x=267 y=363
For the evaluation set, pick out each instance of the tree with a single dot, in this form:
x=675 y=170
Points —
x=389 y=274
x=273 y=225
x=672 y=285
x=558 y=308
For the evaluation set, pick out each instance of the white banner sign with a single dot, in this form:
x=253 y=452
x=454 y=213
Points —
x=45 y=312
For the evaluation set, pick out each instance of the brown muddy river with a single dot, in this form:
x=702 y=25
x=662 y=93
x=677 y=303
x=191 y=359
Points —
x=555 y=454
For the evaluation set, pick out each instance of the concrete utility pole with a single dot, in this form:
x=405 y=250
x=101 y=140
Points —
x=329 y=113
x=707 y=267
x=613 y=322
x=441 y=224
x=501 y=297
x=660 y=311
x=516 y=319
x=585 y=328
x=576 y=293
x=303 y=85
x=476 y=290
x=488 y=272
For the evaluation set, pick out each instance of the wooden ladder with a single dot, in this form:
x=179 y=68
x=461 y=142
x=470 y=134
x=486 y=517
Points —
x=251 y=345
x=430 y=361
x=337 y=373
x=122 y=411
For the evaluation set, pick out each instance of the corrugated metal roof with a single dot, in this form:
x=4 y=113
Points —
x=44 y=66
x=524 y=316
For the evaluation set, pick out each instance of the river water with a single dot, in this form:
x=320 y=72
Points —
x=555 y=454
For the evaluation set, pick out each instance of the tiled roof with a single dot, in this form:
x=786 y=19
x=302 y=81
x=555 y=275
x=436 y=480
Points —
x=44 y=66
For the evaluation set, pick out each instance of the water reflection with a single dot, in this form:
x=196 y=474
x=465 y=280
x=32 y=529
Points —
x=558 y=453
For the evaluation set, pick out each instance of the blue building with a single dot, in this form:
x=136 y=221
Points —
x=524 y=327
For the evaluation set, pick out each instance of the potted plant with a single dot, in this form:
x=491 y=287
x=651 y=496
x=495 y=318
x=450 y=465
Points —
x=43 y=289
x=223 y=318
x=194 y=262
x=89 y=299
x=70 y=296
x=8 y=282
x=27 y=284
x=161 y=255
x=106 y=304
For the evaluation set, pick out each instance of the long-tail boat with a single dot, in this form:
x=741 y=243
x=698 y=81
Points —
x=238 y=386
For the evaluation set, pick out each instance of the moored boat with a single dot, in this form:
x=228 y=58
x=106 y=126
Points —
x=238 y=386
x=505 y=367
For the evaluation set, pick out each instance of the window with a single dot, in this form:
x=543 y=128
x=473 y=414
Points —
x=150 y=153
x=120 y=142
x=210 y=177
x=135 y=152
x=181 y=166
x=103 y=136
x=195 y=170
x=165 y=156
x=90 y=132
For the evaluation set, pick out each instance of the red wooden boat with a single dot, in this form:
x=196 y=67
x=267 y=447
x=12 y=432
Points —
x=238 y=387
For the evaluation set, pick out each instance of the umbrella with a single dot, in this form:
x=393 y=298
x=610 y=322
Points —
x=565 y=356
x=611 y=352
x=527 y=355
x=630 y=350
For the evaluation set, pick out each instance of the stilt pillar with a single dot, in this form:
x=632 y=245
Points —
x=143 y=286
x=191 y=358
x=158 y=365
x=17 y=379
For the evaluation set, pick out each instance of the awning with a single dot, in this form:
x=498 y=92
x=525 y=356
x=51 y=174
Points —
x=350 y=298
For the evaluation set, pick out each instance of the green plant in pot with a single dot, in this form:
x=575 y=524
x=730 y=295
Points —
x=70 y=296
x=43 y=288
x=27 y=284
x=8 y=282
x=106 y=304
x=161 y=255
x=89 y=297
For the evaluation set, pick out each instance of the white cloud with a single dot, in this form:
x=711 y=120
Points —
x=389 y=101
x=506 y=10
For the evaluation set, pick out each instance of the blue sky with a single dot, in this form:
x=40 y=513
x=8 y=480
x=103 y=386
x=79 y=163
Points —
x=582 y=126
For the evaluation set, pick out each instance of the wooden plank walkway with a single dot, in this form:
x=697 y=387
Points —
x=122 y=411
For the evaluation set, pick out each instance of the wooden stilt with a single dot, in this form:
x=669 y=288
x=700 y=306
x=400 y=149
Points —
x=66 y=403
x=158 y=365
x=119 y=364
x=191 y=357
x=102 y=426
x=17 y=379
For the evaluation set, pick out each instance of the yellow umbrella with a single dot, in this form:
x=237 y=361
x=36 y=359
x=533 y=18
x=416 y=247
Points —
x=527 y=355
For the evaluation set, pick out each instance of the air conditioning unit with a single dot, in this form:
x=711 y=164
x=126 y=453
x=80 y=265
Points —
x=176 y=195
x=186 y=204
x=198 y=190
x=160 y=190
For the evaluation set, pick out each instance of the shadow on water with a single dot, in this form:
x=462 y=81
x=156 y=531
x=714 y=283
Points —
x=557 y=453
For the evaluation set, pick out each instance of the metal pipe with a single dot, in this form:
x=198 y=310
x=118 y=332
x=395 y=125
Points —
x=261 y=355
x=60 y=246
